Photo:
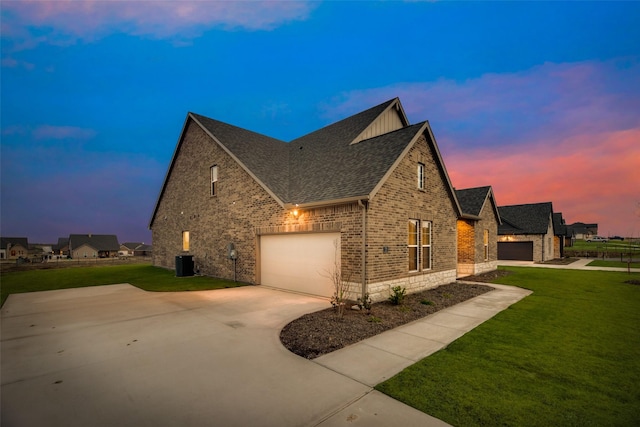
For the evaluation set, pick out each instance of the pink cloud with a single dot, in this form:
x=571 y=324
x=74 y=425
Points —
x=565 y=133
x=69 y=19
x=515 y=108
x=590 y=177
x=62 y=132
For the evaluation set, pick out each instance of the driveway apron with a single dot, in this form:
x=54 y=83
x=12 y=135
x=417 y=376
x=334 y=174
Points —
x=117 y=355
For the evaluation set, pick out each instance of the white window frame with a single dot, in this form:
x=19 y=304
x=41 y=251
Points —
x=420 y=176
x=214 y=180
x=425 y=229
x=416 y=257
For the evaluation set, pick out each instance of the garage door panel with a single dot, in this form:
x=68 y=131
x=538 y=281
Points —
x=515 y=251
x=299 y=262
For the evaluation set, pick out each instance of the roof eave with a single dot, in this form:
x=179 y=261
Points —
x=321 y=203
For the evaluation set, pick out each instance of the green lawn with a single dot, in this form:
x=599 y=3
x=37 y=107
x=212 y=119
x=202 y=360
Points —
x=143 y=276
x=568 y=355
x=603 y=263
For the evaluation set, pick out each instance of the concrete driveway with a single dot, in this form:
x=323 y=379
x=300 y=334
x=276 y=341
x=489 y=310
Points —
x=117 y=355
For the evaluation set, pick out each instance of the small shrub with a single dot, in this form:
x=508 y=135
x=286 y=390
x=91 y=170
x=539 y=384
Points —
x=364 y=303
x=404 y=308
x=397 y=295
x=374 y=319
x=446 y=295
x=426 y=302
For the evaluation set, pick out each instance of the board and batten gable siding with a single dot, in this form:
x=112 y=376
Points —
x=390 y=209
x=387 y=122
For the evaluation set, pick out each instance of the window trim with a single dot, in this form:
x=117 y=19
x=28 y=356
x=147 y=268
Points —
x=422 y=245
x=213 y=170
x=421 y=179
x=416 y=245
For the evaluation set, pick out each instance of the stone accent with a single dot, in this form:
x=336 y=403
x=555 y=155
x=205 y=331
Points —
x=415 y=283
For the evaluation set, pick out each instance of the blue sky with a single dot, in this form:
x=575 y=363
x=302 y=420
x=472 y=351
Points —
x=541 y=100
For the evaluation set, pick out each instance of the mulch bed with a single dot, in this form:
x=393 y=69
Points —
x=322 y=332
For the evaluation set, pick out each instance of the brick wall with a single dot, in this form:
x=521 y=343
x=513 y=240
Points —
x=243 y=210
x=397 y=201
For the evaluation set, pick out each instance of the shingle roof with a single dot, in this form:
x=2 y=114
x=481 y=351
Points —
x=559 y=226
x=525 y=219
x=323 y=166
x=99 y=242
x=22 y=241
x=472 y=199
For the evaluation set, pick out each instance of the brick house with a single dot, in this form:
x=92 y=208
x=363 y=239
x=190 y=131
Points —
x=369 y=194
x=526 y=232
x=477 y=231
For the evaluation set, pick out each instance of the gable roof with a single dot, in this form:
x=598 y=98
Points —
x=525 y=219
x=472 y=200
x=99 y=242
x=559 y=226
x=13 y=241
x=344 y=161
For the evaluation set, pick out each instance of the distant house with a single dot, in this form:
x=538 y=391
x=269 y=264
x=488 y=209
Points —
x=368 y=195
x=62 y=247
x=563 y=237
x=526 y=232
x=134 y=249
x=14 y=247
x=582 y=231
x=93 y=246
x=477 y=231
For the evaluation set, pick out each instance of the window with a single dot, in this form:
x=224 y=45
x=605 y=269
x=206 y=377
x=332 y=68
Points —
x=185 y=241
x=214 y=179
x=420 y=176
x=413 y=245
x=486 y=245
x=426 y=245
x=419 y=245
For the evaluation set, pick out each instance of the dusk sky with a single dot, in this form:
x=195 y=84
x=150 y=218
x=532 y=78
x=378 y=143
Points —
x=541 y=100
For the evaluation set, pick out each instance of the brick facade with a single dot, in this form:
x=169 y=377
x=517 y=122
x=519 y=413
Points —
x=471 y=251
x=242 y=210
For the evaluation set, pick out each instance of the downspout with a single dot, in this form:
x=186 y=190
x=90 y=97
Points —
x=364 y=248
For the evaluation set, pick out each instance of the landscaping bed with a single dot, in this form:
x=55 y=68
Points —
x=322 y=332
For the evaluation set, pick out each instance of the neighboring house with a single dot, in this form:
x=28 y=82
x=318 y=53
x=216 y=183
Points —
x=62 y=247
x=526 y=232
x=477 y=231
x=93 y=245
x=562 y=236
x=369 y=195
x=14 y=247
x=582 y=231
x=134 y=249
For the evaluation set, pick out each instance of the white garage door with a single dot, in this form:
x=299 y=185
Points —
x=299 y=262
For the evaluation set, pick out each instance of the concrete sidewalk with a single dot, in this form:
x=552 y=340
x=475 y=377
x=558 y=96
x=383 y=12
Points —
x=580 y=264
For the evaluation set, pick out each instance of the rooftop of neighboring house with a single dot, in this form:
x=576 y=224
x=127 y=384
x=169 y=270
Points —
x=530 y=218
x=473 y=199
x=99 y=242
x=13 y=241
